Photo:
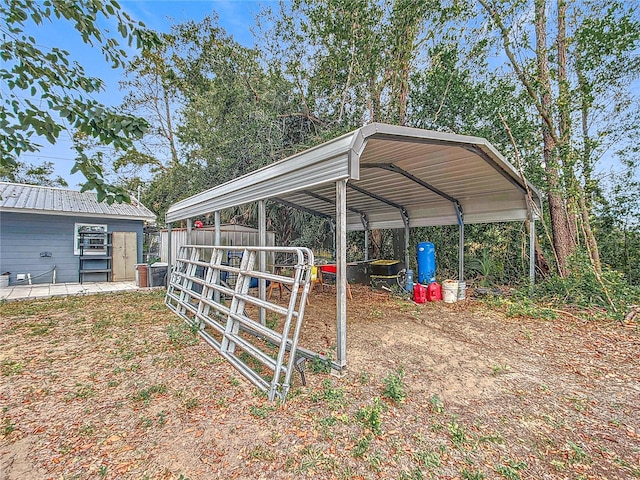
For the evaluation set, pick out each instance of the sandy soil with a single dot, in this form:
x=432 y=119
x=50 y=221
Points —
x=116 y=387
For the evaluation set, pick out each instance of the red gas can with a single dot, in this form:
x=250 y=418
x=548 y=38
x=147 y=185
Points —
x=434 y=292
x=419 y=293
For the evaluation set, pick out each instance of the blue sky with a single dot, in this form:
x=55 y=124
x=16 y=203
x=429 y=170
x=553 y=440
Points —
x=236 y=17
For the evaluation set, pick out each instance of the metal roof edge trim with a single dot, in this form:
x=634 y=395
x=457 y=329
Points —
x=251 y=188
x=292 y=163
x=78 y=214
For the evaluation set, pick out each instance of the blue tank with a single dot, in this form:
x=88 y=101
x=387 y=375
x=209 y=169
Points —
x=408 y=283
x=426 y=262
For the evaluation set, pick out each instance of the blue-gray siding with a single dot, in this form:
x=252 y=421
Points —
x=24 y=236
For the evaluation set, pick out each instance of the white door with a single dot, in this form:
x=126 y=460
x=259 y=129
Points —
x=125 y=256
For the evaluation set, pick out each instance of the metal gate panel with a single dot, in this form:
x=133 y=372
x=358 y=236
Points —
x=225 y=314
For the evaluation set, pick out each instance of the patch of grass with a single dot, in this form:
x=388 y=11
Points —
x=86 y=430
x=472 y=475
x=7 y=427
x=100 y=326
x=375 y=459
x=314 y=459
x=145 y=422
x=234 y=381
x=11 y=367
x=635 y=471
x=427 y=459
x=525 y=307
x=182 y=335
x=578 y=454
x=319 y=365
x=457 y=431
x=496 y=438
x=161 y=418
x=415 y=474
x=361 y=447
x=146 y=394
x=260 y=452
x=498 y=369
x=333 y=397
x=436 y=404
x=261 y=412
x=42 y=328
x=271 y=321
x=511 y=469
x=370 y=417
x=394 y=386
x=191 y=403
x=82 y=391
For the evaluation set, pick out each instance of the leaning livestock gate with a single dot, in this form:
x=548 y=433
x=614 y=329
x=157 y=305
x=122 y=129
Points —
x=221 y=291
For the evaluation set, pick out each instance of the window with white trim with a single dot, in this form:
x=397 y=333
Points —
x=94 y=237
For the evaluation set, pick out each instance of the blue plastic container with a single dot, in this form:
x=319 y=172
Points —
x=408 y=283
x=426 y=262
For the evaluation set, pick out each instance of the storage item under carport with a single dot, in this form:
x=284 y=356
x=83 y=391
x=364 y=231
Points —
x=158 y=274
x=385 y=267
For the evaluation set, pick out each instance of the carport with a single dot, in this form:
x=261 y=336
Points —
x=381 y=177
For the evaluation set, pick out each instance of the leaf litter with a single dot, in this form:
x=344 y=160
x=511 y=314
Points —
x=115 y=386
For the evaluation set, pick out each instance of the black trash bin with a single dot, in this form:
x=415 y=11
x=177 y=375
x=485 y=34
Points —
x=158 y=275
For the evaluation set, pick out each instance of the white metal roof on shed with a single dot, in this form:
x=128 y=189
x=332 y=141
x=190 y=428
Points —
x=22 y=198
x=390 y=169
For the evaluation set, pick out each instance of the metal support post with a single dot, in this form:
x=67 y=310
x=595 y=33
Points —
x=532 y=255
x=341 y=277
x=216 y=242
x=189 y=229
x=262 y=258
x=332 y=225
x=460 y=216
x=405 y=220
x=169 y=259
x=365 y=224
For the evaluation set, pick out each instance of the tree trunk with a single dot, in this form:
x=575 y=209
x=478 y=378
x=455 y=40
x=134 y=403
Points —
x=565 y=151
x=563 y=242
x=375 y=244
x=585 y=192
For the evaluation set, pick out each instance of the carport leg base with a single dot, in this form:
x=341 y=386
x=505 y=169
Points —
x=338 y=372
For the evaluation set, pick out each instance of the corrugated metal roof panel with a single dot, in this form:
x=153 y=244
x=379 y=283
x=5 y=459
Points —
x=421 y=170
x=58 y=201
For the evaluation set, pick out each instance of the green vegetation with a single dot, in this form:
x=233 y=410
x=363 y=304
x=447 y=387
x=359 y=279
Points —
x=394 y=386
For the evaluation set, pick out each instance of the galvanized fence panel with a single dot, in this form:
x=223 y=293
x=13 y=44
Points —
x=215 y=289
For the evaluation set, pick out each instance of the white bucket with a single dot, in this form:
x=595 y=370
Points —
x=449 y=291
x=462 y=291
x=4 y=281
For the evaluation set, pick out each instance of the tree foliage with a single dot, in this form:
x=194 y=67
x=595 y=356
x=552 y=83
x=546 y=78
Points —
x=561 y=105
x=48 y=92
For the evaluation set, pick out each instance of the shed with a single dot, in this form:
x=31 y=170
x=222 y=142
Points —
x=383 y=176
x=41 y=229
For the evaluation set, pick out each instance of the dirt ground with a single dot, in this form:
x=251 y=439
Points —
x=116 y=386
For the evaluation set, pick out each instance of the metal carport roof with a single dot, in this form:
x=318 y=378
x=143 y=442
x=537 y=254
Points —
x=393 y=163
x=382 y=176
